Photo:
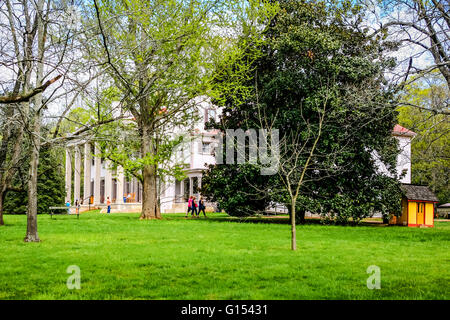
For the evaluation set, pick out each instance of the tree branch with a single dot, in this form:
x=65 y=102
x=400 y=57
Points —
x=27 y=96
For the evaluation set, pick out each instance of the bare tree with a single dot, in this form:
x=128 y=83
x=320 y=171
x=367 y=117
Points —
x=297 y=154
x=421 y=28
x=39 y=53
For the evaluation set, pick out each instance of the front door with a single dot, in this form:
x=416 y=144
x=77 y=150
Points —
x=421 y=213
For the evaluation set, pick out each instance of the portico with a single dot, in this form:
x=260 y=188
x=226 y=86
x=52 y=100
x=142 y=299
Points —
x=100 y=180
x=90 y=179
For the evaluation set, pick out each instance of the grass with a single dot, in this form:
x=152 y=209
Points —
x=121 y=257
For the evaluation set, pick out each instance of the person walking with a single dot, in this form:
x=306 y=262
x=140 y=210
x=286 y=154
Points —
x=68 y=206
x=194 y=208
x=189 y=206
x=201 y=207
x=108 y=203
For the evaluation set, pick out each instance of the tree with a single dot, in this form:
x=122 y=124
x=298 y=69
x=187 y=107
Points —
x=161 y=57
x=421 y=29
x=11 y=155
x=50 y=184
x=422 y=26
x=42 y=65
x=430 y=148
x=229 y=186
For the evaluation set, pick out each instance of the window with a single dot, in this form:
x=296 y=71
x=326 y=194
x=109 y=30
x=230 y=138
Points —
x=210 y=114
x=206 y=147
x=421 y=207
x=195 y=185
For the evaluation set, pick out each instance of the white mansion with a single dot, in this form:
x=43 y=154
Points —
x=99 y=182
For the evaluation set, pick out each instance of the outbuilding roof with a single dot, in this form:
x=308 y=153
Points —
x=417 y=192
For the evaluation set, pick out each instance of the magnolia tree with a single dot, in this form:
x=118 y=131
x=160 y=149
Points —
x=319 y=82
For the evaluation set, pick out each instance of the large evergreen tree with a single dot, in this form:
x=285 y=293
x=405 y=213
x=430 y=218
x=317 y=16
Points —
x=50 y=184
x=317 y=58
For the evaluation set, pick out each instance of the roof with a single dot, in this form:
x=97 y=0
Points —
x=445 y=205
x=400 y=131
x=416 y=192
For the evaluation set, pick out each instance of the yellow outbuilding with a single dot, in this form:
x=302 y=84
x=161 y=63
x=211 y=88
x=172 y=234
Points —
x=417 y=207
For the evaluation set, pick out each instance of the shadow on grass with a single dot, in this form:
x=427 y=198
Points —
x=281 y=219
x=212 y=217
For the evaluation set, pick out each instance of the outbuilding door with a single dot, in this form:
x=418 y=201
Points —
x=420 y=213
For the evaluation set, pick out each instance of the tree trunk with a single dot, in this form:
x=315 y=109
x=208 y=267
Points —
x=2 y=201
x=158 y=207
x=301 y=216
x=32 y=234
x=149 y=201
x=289 y=208
x=293 y=227
x=434 y=177
x=35 y=134
x=149 y=176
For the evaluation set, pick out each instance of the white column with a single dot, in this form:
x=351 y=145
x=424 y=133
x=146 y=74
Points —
x=120 y=180
x=87 y=192
x=140 y=188
x=97 y=176
x=139 y=192
x=77 y=173
x=135 y=189
x=191 y=186
x=108 y=180
x=68 y=175
x=181 y=188
x=132 y=187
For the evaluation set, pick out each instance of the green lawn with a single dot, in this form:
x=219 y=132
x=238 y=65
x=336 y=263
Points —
x=121 y=257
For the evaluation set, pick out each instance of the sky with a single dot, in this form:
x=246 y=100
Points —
x=421 y=59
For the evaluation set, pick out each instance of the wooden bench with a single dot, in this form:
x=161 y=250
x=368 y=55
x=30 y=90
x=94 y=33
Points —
x=66 y=211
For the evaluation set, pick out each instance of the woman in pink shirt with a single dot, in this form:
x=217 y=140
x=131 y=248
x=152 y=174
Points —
x=194 y=207
x=189 y=206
